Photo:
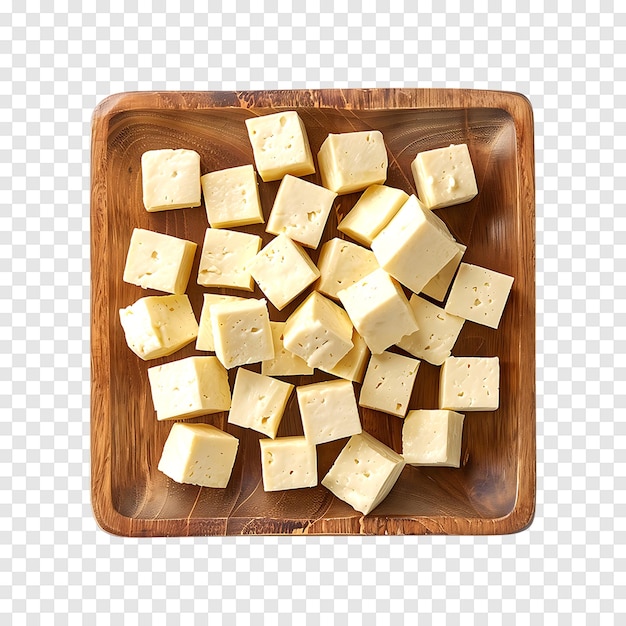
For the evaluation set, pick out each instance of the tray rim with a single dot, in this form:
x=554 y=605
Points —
x=517 y=106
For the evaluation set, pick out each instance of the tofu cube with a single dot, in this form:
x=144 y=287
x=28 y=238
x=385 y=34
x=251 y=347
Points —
x=328 y=410
x=445 y=176
x=205 y=340
x=372 y=212
x=469 y=383
x=388 y=383
x=241 y=332
x=197 y=385
x=413 y=247
x=437 y=334
x=479 y=295
x=364 y=473
x=288 y=463
x=158 y=261
x=283 y=270
x=157 y=326
x=231 y=197
x=284 y=363
x=170 y=179
x=341 y=264
x=300 y=211
x=352 y=366
x=225 y=258
x=280 y=145
x=199 y=454
x=437 y=286
x=432 y=438
x=379 y=310
x=319 y=331
x=352 y=162
x=258 y=402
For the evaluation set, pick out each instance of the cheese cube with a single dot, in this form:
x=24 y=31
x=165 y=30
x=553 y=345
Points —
x=284 y=363
x=413 y=247
x=388 y=383
x=479 y=295
x=280 y=145
x=352 y=162
x=432 y=438
x=197 y=385
x=225 y=258
x=157 y=326
x=170 y=179
x=158 y=261
x=199 y=454
x=241 y=332
x=258 y=402
x=282 y=270
x=205 y=331
x=288 y=463
x=352 y=366
x=231 y=197
x=469 y=383
x=372 y=212
x=437 y=286
x=379 y=310
x=300 y=211
x=341 y=264
x=364 y=473
x=328 y=411
x=318 y=331
x=437 y=334
x=444 y=176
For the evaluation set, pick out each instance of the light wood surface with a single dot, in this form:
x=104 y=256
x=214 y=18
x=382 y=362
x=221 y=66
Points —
x=494 y=490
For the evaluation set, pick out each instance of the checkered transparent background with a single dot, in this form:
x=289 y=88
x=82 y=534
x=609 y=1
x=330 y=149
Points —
x=56 y=566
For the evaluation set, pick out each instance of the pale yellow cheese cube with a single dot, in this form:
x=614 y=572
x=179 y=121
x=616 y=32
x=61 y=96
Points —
x=231 y=197
x=158 y=261
x=157 y=326
x=388 y=383
x=258 y=402
x=319 y=331
x=241 y=332
x=379 y=310
x=432 y=438
x=328 y=410
x=205 y=340
x=352 y=366
x=437 y=334
x=437 y=286
x=341 y=264
x=372 y=212
x=352 y=162
x=469 y=384
x=199 y=454
x=479 y=295
x=170 y=179
x=364 y=472
x=413 y=247
x=225 y=258
x=300 y=211
x=444 y=176
x=197 y=385
x=288 y=463
x=284 y=363
x=282 y=270
x=280 y=145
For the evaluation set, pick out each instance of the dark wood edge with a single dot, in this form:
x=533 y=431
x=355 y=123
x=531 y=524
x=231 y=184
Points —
x=520 y=110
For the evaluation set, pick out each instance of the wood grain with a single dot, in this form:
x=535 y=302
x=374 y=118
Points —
x=494 y=490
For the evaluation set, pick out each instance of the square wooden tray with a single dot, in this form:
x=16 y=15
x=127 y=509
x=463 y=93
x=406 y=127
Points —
x=494 y=490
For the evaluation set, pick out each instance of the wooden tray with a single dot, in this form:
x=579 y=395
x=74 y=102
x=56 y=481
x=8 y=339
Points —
x=494 y=490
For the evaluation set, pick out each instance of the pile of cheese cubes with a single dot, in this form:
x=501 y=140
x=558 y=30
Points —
x=355 y=311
